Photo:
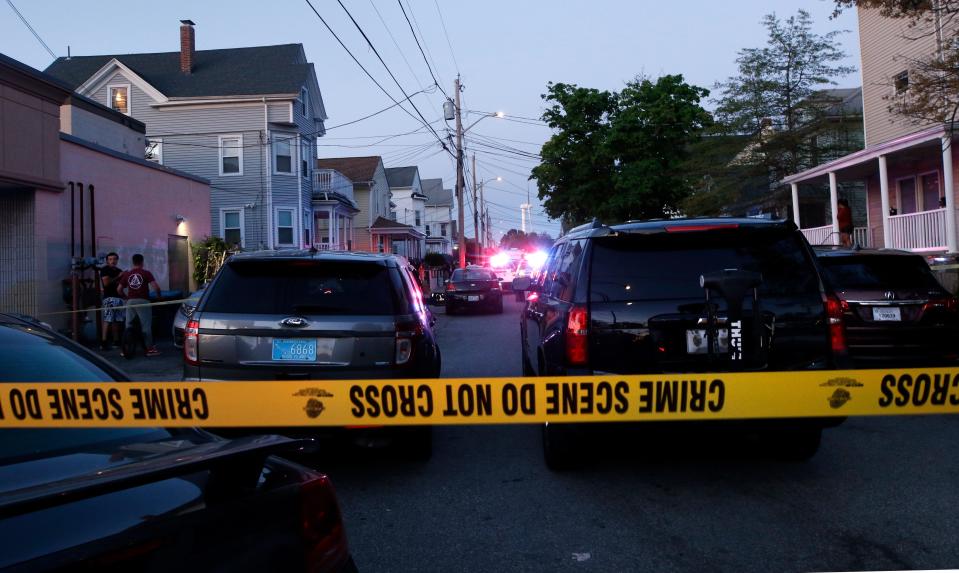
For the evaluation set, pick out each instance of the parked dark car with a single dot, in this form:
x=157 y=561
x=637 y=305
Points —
x=474 y=288
x=895 y=312
x=663 y=296
x=142 y=499
x=303 y=315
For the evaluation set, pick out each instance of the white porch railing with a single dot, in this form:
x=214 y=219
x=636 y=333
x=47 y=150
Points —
x=332 y=181
x=329 y=247
x=819 y=235
x=925 y=231
x=824 y=236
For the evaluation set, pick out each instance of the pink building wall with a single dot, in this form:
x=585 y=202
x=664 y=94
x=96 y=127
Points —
x=136 y=207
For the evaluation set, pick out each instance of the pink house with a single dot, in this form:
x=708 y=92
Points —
x=74 y=183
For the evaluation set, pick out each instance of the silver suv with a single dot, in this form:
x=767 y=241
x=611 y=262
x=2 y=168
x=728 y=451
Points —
x=305 y=315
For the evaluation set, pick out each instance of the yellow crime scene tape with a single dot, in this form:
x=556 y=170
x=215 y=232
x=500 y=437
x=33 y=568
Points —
x=103 y=308
x=635 y=398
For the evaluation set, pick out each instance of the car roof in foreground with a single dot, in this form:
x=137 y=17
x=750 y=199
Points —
x=830 y=251
x=656 y=226
x=309 y=255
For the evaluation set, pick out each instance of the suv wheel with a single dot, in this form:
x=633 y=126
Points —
x=562 y=446
x=796 y=445
x=416 y=444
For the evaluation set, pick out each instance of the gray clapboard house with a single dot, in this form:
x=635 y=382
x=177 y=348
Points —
x=246 y=119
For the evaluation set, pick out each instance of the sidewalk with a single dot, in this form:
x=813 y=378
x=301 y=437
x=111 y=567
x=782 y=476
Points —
x=167 y=367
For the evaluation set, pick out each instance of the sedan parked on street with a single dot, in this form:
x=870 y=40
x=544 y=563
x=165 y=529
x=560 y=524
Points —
x=151 y=499
x=895 y=312
x=474 y=288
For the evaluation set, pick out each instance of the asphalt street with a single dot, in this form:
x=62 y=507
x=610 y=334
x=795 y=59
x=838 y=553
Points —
x=881 y=493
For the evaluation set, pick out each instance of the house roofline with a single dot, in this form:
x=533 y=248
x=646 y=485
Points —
x=125 y=157
x=870 y=153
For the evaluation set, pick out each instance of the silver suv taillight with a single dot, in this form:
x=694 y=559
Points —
x=406 y=336
x=191 y=342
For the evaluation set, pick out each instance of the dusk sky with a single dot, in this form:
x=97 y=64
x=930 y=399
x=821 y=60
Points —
x=506 y=52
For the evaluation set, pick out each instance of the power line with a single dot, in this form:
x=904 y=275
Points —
x=389 y=71
x=387 y=108
x=428 y=66
x=426 y=47
x=32 y=31
x=358 y=63
x=445 y=33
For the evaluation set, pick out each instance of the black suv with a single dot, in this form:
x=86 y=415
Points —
x=684 y=295
x=307 y=315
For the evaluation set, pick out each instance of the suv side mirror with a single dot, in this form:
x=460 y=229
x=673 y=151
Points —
x=522 y=283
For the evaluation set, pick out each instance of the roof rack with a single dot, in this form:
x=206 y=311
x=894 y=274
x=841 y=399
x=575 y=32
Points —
x=594 y=224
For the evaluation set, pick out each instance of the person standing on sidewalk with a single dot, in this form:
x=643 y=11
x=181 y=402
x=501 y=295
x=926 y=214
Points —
x=113 y=317
x=136 y=284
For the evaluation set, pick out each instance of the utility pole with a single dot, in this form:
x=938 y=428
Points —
x=482 y=209
x=476 y=232
x=459 y=173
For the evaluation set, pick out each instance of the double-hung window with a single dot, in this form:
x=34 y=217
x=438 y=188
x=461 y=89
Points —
x=283 y=153
x=418 y=219
x=120 y=98
x=284 y=227
x=231 y=154
x=305 y=157
x=231 y=223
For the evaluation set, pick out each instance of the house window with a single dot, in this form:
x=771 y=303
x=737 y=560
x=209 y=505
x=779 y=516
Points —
x=120 y=98
x=282 y=153
x=231 y=222
x=307 y=224
x=284 y=226
x=442 y=229
x=304 y=101
x=154 y=151
x=231 y=154
x=379 y=243
x=305 y=158
x=417 y=217
x=428 y=232
x=900 y=82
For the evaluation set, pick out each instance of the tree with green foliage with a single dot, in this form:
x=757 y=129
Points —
x=617 y=155
x=772 y=98
x=516 y=239
x=769 y=116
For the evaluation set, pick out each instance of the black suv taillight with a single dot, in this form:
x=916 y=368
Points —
x=407 y=335
x=191 y=342
x=577 y=337
x=322 y=525
x=835 y=309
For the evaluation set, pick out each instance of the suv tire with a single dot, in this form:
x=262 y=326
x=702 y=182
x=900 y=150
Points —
x=563 y=447
x=416 y=444
x=796 y=445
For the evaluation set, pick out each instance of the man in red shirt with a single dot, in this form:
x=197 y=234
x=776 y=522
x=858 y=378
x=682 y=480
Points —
x=135 y=284
x=844 y=218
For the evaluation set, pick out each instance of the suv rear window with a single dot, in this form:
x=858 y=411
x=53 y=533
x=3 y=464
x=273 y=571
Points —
x=634 y=268
x=877 y=272
x=303 y=287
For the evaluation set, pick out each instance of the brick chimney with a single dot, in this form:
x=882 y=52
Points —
x=187 y=46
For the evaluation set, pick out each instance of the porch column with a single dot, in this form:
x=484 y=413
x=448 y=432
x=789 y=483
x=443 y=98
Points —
x=947 y=179
x=332 y=225
x=834 y=205
x=884 y=196
x=795 y=189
